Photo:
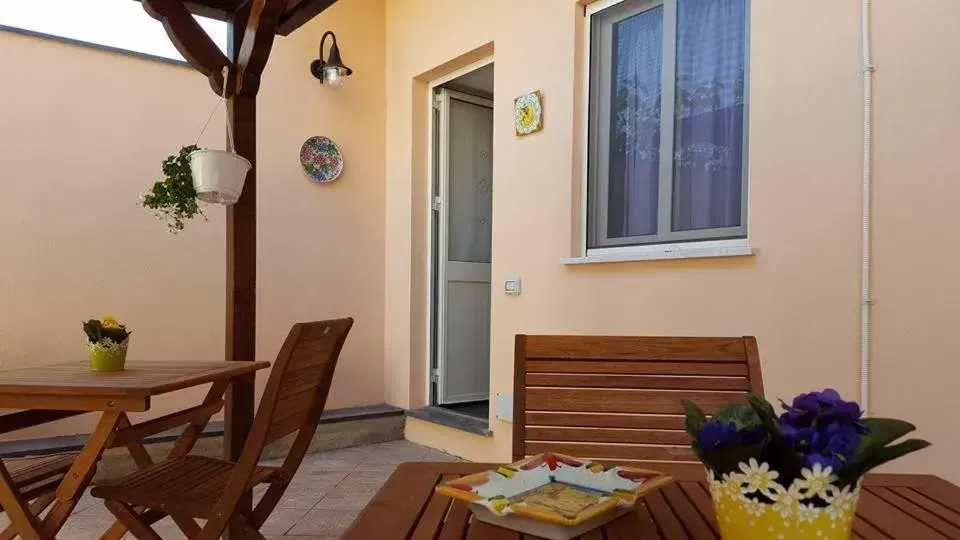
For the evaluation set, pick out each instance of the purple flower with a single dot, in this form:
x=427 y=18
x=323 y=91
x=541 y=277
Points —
x=804 y=410
x=823 y=428
x=800 y=439
x=841 y=441
x=716 y=434
x=824 y=461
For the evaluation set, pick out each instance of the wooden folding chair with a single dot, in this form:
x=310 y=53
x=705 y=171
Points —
x=28 y=486
x=195 y=487
x=619 y=398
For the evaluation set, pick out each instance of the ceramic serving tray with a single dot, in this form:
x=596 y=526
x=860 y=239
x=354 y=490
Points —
x=552 y=495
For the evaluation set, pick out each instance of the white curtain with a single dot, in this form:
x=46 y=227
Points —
x=635 y=125
x=708 y=137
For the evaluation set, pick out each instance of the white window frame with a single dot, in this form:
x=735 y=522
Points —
x=687 y=244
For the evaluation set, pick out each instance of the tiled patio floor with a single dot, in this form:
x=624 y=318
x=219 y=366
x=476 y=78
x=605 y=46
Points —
x=328 y=492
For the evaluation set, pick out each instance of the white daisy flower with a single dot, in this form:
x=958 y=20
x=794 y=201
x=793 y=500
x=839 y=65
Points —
x=807 y=513
x=758 y=477
x=816 y=481
x=786 y=501
x=754 y=507
x=716 y=488
x=731 y=485
x=841 y=502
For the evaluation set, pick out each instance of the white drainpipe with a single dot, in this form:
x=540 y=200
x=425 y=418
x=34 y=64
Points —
x=866 y=297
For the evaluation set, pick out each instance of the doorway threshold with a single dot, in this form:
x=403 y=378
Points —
x=452 y=419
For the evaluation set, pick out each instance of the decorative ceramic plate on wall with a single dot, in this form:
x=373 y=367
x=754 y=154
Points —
x=320 y=158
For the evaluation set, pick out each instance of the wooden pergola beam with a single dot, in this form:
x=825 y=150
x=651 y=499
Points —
x=260 y=27
x=190 y=39
x=301 y=13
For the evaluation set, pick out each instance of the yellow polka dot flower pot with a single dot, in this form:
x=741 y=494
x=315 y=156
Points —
x=793 y=475
x=752 y=505
x=107 y=342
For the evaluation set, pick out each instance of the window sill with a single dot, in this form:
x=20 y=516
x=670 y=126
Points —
x=665 y=252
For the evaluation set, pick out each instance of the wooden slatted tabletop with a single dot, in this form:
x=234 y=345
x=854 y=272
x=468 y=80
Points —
x=73 y=386
x=892 y=507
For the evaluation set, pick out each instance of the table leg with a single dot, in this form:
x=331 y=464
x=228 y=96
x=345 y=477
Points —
x=22 y=520
x=78 y=477
x=188 y=439
x=136 y=449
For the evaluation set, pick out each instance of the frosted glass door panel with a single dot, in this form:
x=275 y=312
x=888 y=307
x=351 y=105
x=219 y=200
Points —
x=471 y=189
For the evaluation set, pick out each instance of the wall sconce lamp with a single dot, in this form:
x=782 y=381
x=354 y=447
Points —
x=330 y=71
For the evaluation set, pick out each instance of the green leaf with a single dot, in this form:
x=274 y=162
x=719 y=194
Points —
x=765 y=412
x=883 y=431
x=890 y=453
x=875 y=449
x=781 y=455
x=695 y=417
x=740 y=415
x=94 y=330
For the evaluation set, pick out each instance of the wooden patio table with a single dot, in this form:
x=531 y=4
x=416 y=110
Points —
x=892 y=506
x=63 y=390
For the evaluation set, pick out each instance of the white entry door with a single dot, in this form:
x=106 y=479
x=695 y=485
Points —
x=464 y=205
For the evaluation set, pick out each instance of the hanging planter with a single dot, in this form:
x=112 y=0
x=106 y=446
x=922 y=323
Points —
x=196 y=175
x=218 y=175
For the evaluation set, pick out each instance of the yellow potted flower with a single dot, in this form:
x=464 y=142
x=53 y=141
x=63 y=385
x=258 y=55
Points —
x=107 y=342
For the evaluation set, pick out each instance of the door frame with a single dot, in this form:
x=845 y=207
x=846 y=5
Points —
x=434 y=315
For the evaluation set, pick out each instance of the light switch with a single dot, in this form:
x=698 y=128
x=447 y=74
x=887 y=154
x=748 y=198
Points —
x=511 y=286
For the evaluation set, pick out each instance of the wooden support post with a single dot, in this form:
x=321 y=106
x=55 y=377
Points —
x=241 y=266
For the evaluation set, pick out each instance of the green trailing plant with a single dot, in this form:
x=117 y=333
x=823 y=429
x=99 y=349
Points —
x=174 y=199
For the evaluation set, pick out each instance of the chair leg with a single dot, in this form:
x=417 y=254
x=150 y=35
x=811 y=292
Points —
x=36 y=508
x=248 y=532
x=188 y=525
x=132 y=520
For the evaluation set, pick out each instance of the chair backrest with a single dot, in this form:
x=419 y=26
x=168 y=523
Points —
x=619 y=398
x=299 y=382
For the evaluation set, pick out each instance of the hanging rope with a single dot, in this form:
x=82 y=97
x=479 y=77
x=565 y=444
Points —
x=223 y=100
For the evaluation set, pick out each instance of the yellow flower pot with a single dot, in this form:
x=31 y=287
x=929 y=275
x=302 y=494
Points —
x=107 y=355
x=792 y=514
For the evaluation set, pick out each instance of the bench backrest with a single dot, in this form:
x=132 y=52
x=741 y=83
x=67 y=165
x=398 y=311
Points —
x=618 y=399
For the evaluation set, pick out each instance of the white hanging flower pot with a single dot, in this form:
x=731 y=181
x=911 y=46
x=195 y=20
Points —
x=218 y=175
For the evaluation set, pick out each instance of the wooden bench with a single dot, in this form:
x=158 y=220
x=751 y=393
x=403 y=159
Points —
x=618 y=399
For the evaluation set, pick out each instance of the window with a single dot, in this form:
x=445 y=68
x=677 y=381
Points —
x=114 y=24
x=666 y=145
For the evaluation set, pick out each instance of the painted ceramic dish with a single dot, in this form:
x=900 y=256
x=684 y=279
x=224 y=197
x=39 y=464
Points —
x=528 y=113
x=552 y=495
x=320 y=158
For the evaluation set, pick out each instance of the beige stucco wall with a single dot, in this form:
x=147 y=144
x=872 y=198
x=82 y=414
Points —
x=82 y=134
x=799 y=295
